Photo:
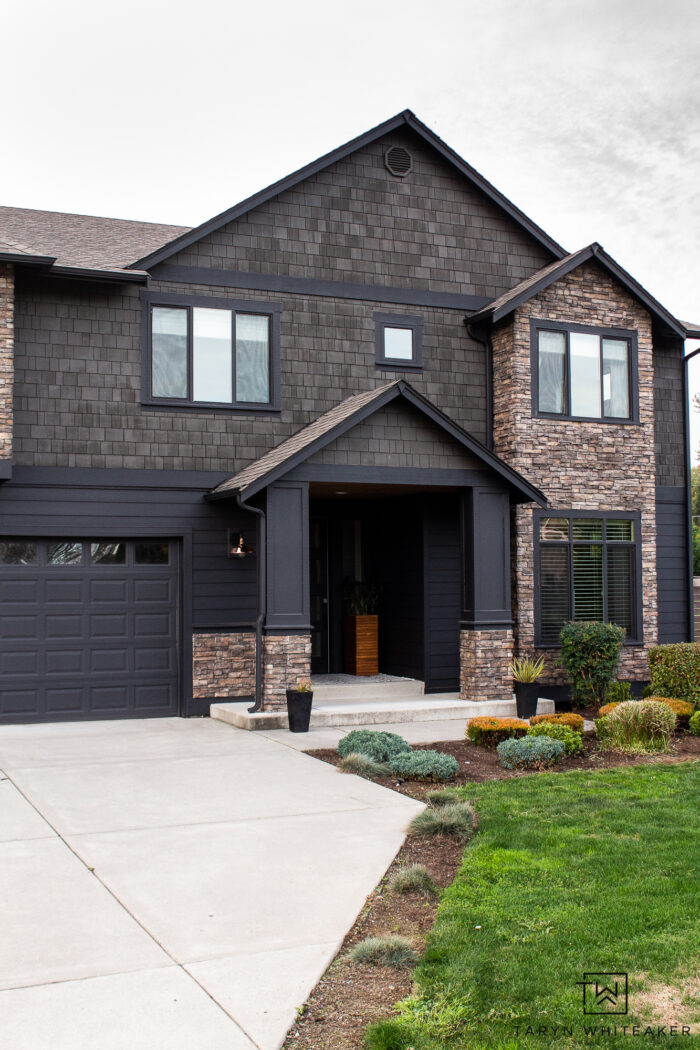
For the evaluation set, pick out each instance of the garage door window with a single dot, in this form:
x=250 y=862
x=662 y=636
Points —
x=64 y=553
x=17 y=552
x=108 y=552
x=152 y=552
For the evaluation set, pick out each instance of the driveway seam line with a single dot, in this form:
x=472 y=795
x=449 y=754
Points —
x=138 y=922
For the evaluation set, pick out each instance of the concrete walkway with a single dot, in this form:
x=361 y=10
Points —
x=175 y=884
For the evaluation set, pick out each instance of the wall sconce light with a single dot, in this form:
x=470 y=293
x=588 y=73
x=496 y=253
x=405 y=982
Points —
x=237 y=547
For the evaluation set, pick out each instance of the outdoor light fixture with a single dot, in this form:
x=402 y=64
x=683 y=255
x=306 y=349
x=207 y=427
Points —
x=238 y=548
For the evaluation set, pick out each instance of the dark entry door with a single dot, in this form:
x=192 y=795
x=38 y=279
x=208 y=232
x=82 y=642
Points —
x=318 y=567
x=88 y=629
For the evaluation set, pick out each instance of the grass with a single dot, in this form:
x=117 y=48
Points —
x=571 y=873
x=396 y=952
x=362 y=765
x=414 y=879
x=454 y=819
x=442 y=797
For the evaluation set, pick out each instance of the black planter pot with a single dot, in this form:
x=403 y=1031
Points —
x=526 y=695
x=299 y=710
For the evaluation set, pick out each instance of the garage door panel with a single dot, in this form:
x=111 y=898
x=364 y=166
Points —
x=84 y=639
x=65 y=661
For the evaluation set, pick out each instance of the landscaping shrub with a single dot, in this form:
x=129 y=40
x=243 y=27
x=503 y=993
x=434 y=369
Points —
x=379 y=746
x=537 y=752
x=562 y=718
x=362 y=766
x=639 y=727
x=619 y=692
x=647 y=691
x=573 y=742
x=694 y=724
x=682 y=709
x=607 y=708
x=414 y=879
x=488 y=732
x=675 y=671
x=457 y=820
x=424 y=765
x=590 y=652
x=393 y=951
x=442 y=797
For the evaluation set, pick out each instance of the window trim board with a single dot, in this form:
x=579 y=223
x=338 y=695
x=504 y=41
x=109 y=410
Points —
x=414 y=322
x=273 y=310
x=629 y=334
x=632 y=515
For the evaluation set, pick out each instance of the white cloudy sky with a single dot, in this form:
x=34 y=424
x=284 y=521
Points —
x=584 y=112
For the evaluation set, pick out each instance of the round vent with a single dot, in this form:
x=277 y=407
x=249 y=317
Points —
x=398 y=161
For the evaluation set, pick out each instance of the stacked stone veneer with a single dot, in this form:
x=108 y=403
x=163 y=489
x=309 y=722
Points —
x=578 y=465
x=223 y=665
x=485 y=658
x=286 y=658
x=7 y=307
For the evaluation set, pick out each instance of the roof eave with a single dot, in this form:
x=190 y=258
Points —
x=20 y=259
x=406 y=118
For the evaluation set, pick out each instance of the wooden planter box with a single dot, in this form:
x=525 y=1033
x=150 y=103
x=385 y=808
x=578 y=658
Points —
x=362 y=645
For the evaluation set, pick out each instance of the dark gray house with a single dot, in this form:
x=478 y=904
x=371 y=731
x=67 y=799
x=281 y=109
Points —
x=377 y=369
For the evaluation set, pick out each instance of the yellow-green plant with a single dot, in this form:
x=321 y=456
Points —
x=524 y=669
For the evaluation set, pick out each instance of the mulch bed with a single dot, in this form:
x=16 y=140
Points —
x=351 y=996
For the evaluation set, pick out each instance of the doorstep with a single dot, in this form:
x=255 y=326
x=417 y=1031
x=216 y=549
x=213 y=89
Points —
x=430 y=708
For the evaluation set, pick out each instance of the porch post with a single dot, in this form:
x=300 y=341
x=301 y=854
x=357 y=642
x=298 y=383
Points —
x=287 y=639
x=486 y=629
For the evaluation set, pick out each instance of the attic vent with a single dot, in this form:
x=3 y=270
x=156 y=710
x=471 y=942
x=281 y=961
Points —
x=398 y=161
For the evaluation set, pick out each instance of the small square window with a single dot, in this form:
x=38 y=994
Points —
x=398 y=341
x=108 y=552
x=64 y=552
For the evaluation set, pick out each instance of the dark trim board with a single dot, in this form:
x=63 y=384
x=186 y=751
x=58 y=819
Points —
x=276 y=283
x=422 y=476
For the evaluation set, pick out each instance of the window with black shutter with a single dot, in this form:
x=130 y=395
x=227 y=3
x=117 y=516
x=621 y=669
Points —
x=586 y=568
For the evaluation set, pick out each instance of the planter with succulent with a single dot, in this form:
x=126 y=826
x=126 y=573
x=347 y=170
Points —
x=525 y=673
x=362 y=630
x=299 y=701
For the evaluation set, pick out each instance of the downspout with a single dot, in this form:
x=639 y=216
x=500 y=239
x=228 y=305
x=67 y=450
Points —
x=485 y=341
x=688 y=493
x=262 y=599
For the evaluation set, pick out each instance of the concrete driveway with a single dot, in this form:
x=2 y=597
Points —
x=174 y=884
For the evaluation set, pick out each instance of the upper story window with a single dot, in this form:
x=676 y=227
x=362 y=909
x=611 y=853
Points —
x=587 y=567
x=398 y=341
x=584 y=373
x=211 y=353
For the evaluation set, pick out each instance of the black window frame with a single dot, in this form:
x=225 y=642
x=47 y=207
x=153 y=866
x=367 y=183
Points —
x=600 y=515
x=413 y=322
x=273 y=311
x=538 y=325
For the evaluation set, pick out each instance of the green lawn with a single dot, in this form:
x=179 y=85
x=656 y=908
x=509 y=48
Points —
x=570 y=873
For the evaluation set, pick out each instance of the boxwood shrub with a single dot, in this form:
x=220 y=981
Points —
x=590 y=652
x=424 y=765
x=573 y=742
x=675 y=671
x=379 y=746
x=694 y=724
x=488 y=731
x=537 y=752
x=561 y=718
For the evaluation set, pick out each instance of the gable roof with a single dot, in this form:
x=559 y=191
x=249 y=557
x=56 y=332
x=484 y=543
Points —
x=73 y=244
x=405 y=119
x=342 y=417
x=506 y=303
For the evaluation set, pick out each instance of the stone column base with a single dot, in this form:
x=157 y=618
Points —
x=286 y=658
x=223 y=665
x=485 y=658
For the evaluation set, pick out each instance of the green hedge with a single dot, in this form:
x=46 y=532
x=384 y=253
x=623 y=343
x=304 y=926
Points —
x=675 y=671
x=590 y=652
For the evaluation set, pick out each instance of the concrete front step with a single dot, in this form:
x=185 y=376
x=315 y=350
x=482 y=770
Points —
x=374 y=712
x=357 y=690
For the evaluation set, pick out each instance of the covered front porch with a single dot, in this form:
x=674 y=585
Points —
x=382 y=496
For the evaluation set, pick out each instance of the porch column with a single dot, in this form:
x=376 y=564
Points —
x=287 y=638
x=486 y=634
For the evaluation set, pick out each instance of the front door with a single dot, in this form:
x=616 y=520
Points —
x=318 y=567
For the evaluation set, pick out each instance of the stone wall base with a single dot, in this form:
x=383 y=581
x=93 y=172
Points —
x=485 y=658
x=286 y=658
x=223 y=665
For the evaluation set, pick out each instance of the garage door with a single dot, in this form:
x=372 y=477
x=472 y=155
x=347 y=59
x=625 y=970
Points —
x=88 y=629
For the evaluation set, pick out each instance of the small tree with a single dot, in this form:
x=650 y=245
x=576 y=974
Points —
x=590 y=654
